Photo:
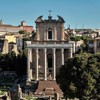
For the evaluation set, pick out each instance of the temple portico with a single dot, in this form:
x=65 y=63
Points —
x=45 y=47
x=49 y=49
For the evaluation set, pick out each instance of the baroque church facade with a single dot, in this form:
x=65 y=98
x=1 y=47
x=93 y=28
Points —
x=49 y=50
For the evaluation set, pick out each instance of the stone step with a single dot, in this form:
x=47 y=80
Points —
x=48 y=87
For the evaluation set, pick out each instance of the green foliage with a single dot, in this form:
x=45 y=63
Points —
x=11 y=62
x=26 y=39
x=86 y=39
x=31 y=98
x=21 y=64
x=7 y=61
x=75 y=38
x=2 y=92
x=22 y=32
x=80 y=77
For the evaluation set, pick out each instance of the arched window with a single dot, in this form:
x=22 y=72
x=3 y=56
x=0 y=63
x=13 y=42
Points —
x=50 y=33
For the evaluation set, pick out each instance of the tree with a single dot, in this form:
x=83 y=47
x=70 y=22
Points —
x=22 y=32
x=75 y=38
x=21 y=64
x=80 y=77
x=11 y=62
x=86 y=39
x=7 y=61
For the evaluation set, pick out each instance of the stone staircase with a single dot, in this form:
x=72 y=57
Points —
x=48 y=88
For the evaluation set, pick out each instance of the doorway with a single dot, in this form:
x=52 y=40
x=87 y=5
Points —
x=49 y=58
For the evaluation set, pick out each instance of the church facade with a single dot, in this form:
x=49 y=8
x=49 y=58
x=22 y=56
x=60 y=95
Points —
x=49 y=49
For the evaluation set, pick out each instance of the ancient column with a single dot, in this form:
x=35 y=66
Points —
x=45 y=64
x=62 y=56
x=70 y=52
x=19 y=92
x=37 y=56
x=54 y=64
x=73 y=47
x=28 y=65
x=31 y=77
x=57 y=96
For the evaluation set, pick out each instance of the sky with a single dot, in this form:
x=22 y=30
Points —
x=76 y=13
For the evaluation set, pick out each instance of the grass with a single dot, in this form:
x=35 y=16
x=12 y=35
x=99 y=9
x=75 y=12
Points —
x=31 y=98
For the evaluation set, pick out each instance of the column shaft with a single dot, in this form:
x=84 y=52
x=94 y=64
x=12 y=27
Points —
x=62 y=56
x=54 y=64
x=37 y=64
x=71 y=54
x=45 y=64
x=28 y=66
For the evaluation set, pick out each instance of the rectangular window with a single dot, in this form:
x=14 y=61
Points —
x=49 y=34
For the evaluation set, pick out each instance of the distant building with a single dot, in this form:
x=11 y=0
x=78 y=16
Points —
x=13 y=48
x=28 y=29
x=4 y=46
x=10 y=38
x=11 y=34
x=97 y=44
x=19 y=43
x=90 y=46
x=94 y=44
x=78 y=45
x=15 y=42
x=9 y=43
x=6 y=28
